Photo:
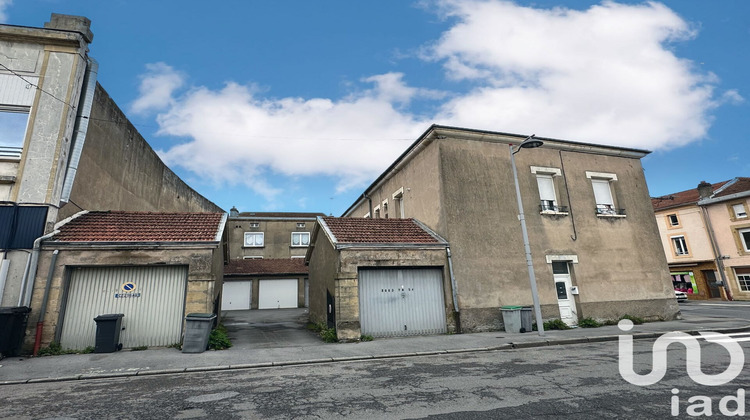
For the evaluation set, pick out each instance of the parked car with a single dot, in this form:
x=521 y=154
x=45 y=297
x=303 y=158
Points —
x=681 y=296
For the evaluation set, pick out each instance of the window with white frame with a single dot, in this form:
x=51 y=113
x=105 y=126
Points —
x=743 y=278
x=398 y=200
x=13 y=132
x=385 y=209
x=680 y=245
x=254 y=224
x=601 y=183
x=739 y=211
x=673 y=220
x=253 y=239
x=300 y=238
x=545 y=181
x=745 y=238
x=300 y=224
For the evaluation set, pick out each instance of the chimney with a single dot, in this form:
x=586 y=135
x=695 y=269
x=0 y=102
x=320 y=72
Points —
x=233 y=212
x=71 y=23
x=705 y=190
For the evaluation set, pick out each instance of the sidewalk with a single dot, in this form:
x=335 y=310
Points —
x=19 y=370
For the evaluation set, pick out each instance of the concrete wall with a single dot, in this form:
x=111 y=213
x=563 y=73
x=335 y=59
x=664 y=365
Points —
x=203 y=282
x=324 y=266
x=118 y=170
x=277 y=234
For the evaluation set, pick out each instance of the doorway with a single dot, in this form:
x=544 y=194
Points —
x=563 y=287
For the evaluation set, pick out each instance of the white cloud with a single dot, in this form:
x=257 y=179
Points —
x=156 y=88
x=603 y=75
x=237 y=137
x=4 y=5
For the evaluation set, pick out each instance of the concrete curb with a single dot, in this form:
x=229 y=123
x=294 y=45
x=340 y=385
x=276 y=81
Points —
x=247 y=366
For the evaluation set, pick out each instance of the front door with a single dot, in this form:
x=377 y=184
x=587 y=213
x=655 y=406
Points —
x=713 y=288
x=565 y=300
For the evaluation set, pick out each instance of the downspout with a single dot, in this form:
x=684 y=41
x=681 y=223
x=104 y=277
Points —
x=717 y=252
x=454 y=289
x=81 y=127
x=27 y=287
x=43 y=308
x=570 y=202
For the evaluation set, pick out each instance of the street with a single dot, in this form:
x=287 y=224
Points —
x=716 y=308
x=574 y=381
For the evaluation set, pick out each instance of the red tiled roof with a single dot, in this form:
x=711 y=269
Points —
x=125 y=226
x=741 y=185
x=360 y=230
x=266 y=266
x=681 y=198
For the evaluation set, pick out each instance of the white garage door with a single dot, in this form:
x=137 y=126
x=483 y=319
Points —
x=400 y=302
x=236 y=295
x=277 y=294
x=151 y=298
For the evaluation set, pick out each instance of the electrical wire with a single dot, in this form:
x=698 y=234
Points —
x=36 y=86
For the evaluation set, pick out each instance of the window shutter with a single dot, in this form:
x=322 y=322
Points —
x=602 y=193
x=546 y=188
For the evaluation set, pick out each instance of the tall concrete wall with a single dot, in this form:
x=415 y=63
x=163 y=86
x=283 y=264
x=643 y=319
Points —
x=118 y=170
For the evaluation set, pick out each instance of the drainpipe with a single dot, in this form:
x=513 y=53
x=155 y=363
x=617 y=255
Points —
x=454 y=289
x=81 y=127
x=717 y=252
x=29 y=275
x=43 y=308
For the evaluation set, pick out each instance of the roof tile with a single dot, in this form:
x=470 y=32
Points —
x=126 y=226
x=361 y=230
x=681 y=198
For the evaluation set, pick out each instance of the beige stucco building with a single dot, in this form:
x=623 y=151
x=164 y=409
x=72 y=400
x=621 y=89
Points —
x=593 y=238
x=706 y=237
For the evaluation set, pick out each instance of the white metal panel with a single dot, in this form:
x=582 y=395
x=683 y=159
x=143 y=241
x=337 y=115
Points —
x=400 y=302
x=602 y=193
x=15 y=91
x=277 y=294
x=154 y=311
x=546 y=187
x=236 y=295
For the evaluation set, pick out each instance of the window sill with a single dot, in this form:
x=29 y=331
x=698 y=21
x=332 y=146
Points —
x=253 y=246
x=614 y=216
x=553 y=213
x=299 y=246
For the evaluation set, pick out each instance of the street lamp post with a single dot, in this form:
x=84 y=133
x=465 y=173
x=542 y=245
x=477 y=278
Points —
x=528 y=143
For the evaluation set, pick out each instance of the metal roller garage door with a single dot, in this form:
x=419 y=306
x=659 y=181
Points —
x=400 y=302
x=277 y=294
x=151 y=298
x=236 y=295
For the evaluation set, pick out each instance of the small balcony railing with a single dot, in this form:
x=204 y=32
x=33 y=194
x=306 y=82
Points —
x=608 y=210
x=551 y=207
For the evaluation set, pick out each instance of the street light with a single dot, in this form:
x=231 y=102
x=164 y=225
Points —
x=528 y=143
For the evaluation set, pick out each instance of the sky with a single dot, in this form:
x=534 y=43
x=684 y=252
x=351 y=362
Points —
x=298 y=105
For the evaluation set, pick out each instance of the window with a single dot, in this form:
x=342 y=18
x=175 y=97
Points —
x=300 y=224
x=300 y=238
x=366 y=216
x=673 y=220
x=385 y=209
x=679 y=245
x=743 y=278
x=398 y=200
x=739 y=211
x=254 y=239
x=602 y=184
x=745 y=238
x=376 y=212
x=545 y=180
x=254 y=225
x=13 y=133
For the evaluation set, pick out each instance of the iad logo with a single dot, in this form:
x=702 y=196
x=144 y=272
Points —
x=693 y=357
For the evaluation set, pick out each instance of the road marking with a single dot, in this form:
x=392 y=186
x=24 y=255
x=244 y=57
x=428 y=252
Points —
x=721 y=304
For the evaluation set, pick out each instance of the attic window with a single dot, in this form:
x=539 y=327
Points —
x=739 y=211
x=254 y=225
x=301 y=224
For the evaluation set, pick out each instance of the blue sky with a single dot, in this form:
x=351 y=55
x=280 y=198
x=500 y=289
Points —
x=299 y=105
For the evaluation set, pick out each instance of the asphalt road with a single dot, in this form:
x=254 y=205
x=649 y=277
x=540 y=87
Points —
x=718 y=308
x=568 y=382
